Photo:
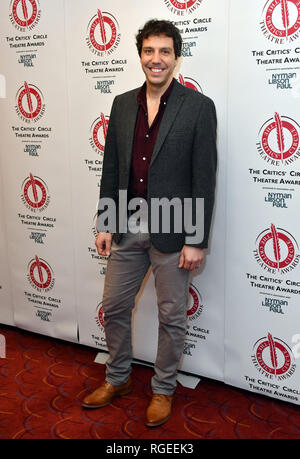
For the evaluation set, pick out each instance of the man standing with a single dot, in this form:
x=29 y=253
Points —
x=161 y=143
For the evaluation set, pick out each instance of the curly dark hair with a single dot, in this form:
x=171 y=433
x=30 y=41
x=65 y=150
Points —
x=159 y=27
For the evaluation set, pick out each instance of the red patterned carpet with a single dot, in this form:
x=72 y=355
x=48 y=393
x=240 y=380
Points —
x=43 y=380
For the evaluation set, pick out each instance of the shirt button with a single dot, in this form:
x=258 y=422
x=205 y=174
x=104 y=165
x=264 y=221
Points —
x=141 y=180
x=144 y=159
x=147 y=135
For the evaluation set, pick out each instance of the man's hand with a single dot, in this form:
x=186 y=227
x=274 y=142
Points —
x=103 y=243
x=191 y=257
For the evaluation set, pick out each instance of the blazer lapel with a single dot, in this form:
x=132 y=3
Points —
x=173 y=105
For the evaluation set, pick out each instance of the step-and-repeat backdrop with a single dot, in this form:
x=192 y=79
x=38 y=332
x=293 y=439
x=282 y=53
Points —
x=63 y=62
x=263 y=198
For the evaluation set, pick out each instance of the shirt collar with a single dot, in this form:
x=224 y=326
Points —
x=142 y=100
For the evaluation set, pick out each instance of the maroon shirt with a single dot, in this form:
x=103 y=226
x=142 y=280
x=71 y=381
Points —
x=143 y=143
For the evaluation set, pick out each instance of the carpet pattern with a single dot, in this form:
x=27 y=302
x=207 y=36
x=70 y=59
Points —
x=43 y=380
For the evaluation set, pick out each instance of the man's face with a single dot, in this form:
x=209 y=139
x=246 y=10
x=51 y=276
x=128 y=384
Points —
x=158 y=60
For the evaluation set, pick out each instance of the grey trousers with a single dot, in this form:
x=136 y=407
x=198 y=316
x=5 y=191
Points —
x=127 y=266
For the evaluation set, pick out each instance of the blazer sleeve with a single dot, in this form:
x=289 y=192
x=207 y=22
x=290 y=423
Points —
x=110 y=170
x=204 y=164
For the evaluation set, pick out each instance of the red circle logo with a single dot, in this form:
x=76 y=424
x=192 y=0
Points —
x=281 y=20
x=40 y=274
x=99 y=133
x=35 y=193
x=30 y=105
x=279 y=140
x=103 y=36
x=277 y=249
x=182 y=6
x=25 y=14
x=274 y=357
x=189 y=83
x=195 y=304
x=99 y=316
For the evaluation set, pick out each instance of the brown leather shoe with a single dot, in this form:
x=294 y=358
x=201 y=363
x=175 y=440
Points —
x=159 y=410
x=105 y=394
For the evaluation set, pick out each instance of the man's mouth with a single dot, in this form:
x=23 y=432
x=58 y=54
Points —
x=156 y=70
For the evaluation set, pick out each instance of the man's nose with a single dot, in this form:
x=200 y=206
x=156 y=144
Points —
x=156 y=56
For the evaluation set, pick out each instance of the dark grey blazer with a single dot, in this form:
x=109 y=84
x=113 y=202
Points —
x=183 y=162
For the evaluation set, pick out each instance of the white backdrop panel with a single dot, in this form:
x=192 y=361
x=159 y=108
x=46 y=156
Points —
x=37 y=179
x=6 y=308
x=101 y=75
x=262 y=273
